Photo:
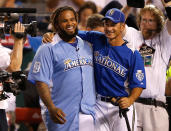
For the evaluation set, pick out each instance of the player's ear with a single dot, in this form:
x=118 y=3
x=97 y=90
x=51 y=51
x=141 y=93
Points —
x=122 y=27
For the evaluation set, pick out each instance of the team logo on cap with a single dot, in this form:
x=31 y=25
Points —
x=111 y=12
x=139 y=75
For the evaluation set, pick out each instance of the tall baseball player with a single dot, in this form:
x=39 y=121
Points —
x=119 y=73
x=70 y=105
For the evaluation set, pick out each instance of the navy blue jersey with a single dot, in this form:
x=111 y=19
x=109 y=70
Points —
x=117 y=68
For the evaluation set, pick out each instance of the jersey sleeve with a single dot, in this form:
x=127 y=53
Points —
x=137 y=76
x=35 y=42
x=42 y=68
x=90 y=36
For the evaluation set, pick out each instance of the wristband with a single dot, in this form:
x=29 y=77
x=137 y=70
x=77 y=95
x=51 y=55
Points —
x=19 y=35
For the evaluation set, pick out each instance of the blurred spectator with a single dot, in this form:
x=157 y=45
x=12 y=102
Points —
x=2 y=2
x=7 y=3
x=157 y=3
x=30 y=1
x=10 y=3
x=53 y=4
x=99 y=3
x=102 y=3
x=84 y=12
x=112 y=4
x=94 y=23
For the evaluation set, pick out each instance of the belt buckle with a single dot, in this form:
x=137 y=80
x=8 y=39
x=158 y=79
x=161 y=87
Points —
x=103 y=98
x=106 y=100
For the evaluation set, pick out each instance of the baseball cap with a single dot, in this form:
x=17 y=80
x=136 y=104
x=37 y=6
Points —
x=115 y=15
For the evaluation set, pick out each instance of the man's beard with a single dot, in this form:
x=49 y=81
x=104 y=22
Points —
x=148 y=34
x=65 y=36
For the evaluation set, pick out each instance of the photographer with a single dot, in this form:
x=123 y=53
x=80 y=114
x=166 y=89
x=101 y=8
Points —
x=10 y=61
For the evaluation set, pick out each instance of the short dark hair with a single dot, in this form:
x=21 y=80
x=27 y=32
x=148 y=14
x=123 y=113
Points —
x=110 y=5
x=87 y=5
x=94 y=21
x=57 y=12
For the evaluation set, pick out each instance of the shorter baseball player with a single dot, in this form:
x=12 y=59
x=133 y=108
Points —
x=119 y=73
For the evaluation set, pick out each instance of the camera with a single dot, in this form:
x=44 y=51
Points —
x=136 y=3
x=166 y=1
x=9 y=17
x=12 y=82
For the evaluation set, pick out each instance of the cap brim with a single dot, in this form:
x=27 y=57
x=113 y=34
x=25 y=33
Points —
x=110 y=18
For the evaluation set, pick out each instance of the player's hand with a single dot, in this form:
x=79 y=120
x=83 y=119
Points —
x=47 y=38
x=57 y=115
x=125 y=102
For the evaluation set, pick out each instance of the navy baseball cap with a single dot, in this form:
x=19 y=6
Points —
x=115 y=15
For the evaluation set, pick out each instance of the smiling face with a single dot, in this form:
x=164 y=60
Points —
x=113 y=30
x=67 y=25
x=67 y=22
x=148 y=25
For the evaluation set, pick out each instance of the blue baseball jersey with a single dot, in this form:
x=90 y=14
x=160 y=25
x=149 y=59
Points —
x=117 y=68
x=72 y=74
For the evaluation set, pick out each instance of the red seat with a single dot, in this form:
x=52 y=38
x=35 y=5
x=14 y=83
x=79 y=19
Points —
x=29 y=115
